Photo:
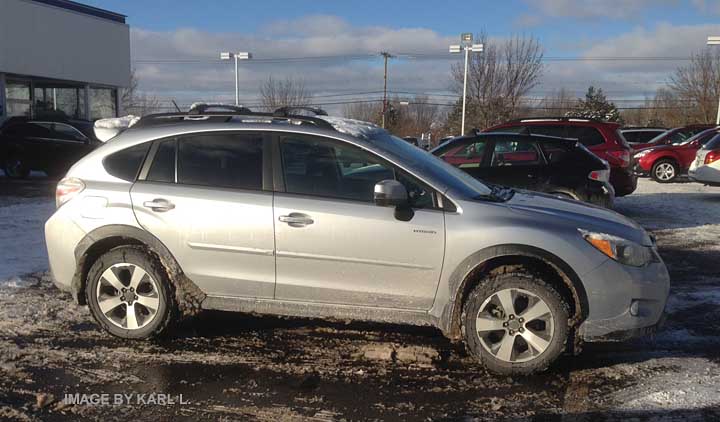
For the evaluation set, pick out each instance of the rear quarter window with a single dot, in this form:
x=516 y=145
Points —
x=125 y=164
x=587 y=135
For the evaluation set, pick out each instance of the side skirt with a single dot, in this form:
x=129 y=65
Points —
x=319 y=310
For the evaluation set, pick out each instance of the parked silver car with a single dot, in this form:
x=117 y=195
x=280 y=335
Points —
x=334 y=218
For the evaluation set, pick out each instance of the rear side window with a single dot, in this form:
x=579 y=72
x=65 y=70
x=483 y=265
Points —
x=548 y=130
x=515 y=153
x=126 y=163
x=587 y=135
x=163 y=165
x=221 y=160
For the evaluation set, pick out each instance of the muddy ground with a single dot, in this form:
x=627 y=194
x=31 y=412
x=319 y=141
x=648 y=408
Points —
x=239 y=367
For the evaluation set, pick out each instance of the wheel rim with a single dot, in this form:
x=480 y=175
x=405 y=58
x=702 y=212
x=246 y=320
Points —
x=665 y=171
x=515 y=325
x=128 y=296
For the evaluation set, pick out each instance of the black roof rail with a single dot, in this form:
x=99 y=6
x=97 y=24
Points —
x=243 y=114
x=560 y=118
x=201 y=108
x=287 y=111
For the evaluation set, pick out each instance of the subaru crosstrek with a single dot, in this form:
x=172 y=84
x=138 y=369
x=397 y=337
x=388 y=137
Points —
x=317 y=216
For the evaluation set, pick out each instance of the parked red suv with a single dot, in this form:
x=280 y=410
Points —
x=602 y=138
x=666 y=162
x=672 y=136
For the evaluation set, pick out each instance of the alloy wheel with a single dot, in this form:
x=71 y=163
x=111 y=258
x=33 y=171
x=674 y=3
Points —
x=128 y=296
x=515 y=325
x=665 y=171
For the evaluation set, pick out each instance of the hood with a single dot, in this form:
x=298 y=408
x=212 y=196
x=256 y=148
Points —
x=580 y=214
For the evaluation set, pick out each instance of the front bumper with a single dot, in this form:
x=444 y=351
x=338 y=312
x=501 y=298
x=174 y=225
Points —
x=624 y=301
x=705 y=174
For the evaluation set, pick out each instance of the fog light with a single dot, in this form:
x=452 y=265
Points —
x=635 y=307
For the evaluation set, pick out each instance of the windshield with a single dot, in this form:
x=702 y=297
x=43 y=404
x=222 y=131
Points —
x=661 y=136
x=425 y=163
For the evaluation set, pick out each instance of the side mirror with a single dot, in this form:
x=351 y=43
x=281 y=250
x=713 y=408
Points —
x=390 y=193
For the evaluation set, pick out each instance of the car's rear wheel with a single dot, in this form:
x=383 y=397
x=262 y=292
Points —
x=15 y=168
x=515 y=324
x=129 y=295
x=664 y=171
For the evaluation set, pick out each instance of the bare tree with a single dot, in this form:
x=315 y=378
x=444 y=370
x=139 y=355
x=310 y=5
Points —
x=557 y=103
x=698 y=85
x=134 y=102
x=365 y=111
x=498 y=79
x=276 y=93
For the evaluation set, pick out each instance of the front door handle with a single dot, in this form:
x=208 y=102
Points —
x=159 y=205
x=296 y=219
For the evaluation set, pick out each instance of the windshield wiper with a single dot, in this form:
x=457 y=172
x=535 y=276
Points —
x=498 y=193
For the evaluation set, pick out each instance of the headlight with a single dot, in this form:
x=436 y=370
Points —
x=621 y=250
x=641 y=154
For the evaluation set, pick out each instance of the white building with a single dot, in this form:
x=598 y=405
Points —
x=61 y=57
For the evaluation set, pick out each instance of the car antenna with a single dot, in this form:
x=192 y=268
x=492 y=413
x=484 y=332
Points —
x=176 y=106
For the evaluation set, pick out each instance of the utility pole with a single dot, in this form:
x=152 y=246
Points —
x=386 y=55
x=715 y=41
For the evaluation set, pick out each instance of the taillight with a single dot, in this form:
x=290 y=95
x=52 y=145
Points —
x=712 y=156
x=66 y=190
x=599 y=175
x=622 y=155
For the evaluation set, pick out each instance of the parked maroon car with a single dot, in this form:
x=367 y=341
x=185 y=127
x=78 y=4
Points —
x=666 y=162
x=602 y=138
x=677 y=135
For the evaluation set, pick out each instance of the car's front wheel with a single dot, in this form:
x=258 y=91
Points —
x=515 y=324
x=664 y=171
x=128 y=294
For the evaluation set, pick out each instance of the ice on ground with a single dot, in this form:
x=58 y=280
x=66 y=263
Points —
x=22 y=237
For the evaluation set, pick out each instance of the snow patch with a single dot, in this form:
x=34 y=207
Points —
x=352 y=127
x=106 y=129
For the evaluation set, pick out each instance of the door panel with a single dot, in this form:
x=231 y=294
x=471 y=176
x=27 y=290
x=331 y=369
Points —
x=357 y=253
x=222 y=238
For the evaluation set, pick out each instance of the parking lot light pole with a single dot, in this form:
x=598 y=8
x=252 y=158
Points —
x=468 y=47
x=236 y=56
x=715 y=41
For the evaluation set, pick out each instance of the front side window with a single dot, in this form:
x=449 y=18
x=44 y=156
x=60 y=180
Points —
x=221 y=160
x=514 y=153
x=67 y=132
x=317 y=167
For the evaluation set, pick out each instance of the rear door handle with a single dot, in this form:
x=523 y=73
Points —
x=296 y=219
x=159 y=205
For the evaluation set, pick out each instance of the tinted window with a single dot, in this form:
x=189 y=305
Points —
x=587 y=135
x=163 y=165
x=125 y=164
x=515 y=153
x=549 y=130
x=312 y=166
x=67 y=132
x=221 y=160
x=714 y=143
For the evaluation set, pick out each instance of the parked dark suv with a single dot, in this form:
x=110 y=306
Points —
x=601 y=138
x=49 y=145
x=558 y=166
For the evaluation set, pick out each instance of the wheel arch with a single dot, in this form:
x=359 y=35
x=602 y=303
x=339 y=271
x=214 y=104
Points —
x=103 y=239
x=512 y=258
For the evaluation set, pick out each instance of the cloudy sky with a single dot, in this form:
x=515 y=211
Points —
x=334 y=45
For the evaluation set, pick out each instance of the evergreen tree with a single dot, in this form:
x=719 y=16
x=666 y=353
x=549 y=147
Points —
x=596 y=106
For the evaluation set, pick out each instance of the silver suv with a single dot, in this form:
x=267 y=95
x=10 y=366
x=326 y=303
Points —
x=317 y=216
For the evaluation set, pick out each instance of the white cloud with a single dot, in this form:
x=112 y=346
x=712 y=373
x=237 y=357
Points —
x=587 y=9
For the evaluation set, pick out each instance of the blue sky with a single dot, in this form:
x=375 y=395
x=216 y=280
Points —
x=198 y=30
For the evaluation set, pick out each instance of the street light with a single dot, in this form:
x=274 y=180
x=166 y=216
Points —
x=715 y=41
x=468 y=47
x=236 y=56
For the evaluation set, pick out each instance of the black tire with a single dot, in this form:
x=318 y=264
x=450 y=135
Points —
x=15 y=168
x=663 y=164
x=559 y=310
x=167 y=309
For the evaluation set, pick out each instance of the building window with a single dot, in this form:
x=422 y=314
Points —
x=17 y=98
x=67 y=102
x=102 y=103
